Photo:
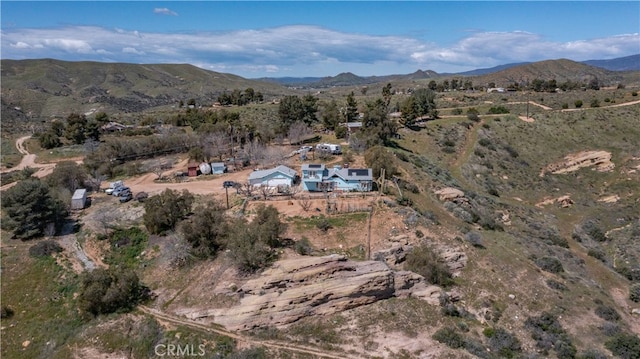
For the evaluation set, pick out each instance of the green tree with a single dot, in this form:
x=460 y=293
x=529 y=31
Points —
x=267 y=225
x=331 y=115
x=420 y=103
x=67 y=174
x=290 y=110
x=30 y=209
x=165 y=210
x=378 y=158
x=102 y=117
x=376 y=125
x=49 y=140
x=246 y=249
x=387 y=93
x=206 y=229
x=76 y=127
x=104 y=291
x=351 y=110
x=310 y=108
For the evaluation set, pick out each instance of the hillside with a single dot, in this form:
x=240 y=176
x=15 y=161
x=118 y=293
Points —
x=46 y=88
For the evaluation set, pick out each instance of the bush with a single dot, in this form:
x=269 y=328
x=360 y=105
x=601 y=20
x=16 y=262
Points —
x=162 y=212
x=323 y=224
x=595 y=103
x=607 y=313
x=625 y=346
x=474 y=238
x=303 y=246
x=449 y=337
x=549 y=264
x=424 y=261
x=104 y=291
x=548 y=333
x=554 y=284
x=494 y=110
x=248 y=249
x=504 y=343
x=634 y=292
x=578 y=103
x=44 y=248
x=6 y=312
x=597 y=254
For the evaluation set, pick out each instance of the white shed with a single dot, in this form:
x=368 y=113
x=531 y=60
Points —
x=79 y=199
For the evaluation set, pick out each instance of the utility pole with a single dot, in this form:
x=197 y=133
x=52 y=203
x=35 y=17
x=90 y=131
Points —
x=226 y=191
x=527 y=105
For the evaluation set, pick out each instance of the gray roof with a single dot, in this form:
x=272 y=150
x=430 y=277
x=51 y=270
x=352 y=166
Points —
x=217 y=164
x=313 y=167
x=264 y=173
x=79 y=193
x=352 y=174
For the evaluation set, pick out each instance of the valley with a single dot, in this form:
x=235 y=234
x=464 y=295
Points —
x=508 y=226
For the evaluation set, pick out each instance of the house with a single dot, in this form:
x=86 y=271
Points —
x=218 y=167
x=113 y=127
x=273 y=178
x=192 y=169
x=353 y=127
x=316 y=177
x=79 y=199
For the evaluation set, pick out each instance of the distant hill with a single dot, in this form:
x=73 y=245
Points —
x=45 y=88
x=491 y=70
x=561 y=70
x=347 y=79
x=628 y=63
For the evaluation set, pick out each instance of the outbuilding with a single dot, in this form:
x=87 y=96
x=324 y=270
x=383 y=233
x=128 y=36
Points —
x=192 y=169
x=79 y=199
x=218 y=167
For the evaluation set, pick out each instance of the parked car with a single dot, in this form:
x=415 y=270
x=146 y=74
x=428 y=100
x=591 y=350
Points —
x=126 y=197
x=306 y=148
x=120 y=190
x=113 y=186
x=228 y=184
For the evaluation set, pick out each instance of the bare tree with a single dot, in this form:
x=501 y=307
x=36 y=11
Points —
x=273 y=155
x=265 y=191
x=305 y=203
x=106 y=218
x=248 y=188
x=298 y=132
x=216 y=145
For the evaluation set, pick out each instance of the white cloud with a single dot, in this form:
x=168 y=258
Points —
x=164 y=11
x=305 y=50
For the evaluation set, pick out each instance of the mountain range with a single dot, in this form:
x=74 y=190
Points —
x=45 y=88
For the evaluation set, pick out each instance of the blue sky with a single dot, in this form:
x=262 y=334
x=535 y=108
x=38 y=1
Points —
x=308 y=38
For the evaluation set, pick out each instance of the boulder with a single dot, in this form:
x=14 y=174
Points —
x=295 y=288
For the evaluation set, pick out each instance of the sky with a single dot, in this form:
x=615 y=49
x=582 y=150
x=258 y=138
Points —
x=313 y=39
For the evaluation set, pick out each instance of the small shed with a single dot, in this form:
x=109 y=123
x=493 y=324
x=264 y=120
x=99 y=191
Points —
x=218 y=167
x=192 y=169
x=79 y=199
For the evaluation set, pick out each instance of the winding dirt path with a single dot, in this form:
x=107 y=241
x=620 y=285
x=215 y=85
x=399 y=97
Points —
x=241 y=338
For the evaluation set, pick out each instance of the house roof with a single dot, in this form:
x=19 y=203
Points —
x=264 y=173
x=352 y=174
x=313 y=167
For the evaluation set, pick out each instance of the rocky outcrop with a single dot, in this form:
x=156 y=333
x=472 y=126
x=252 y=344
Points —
x=296 y=288
x=601 y=160
x=449 y=193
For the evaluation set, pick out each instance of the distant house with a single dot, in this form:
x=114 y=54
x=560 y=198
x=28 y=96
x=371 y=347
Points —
x=353 y=127
x=317 y=178
x=218 y=167
x=192 y=169
x=113 y=127
x=274 y=177
x=79 y=199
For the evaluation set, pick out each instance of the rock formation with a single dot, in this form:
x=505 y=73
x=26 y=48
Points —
x=295 y=288
x=573 y=162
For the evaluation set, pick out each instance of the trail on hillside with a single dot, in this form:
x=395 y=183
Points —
x=239 y=337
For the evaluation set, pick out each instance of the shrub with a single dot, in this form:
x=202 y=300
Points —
x=6 y=312
x=494 y=110
x=595 y=103
x=504 y=343
x=549 y=264
x=634 y=292
x=449 y=337
x=104 y=291
x=474 y=238
x=323 y=224
x=625 y=346
x=607 y=313
x=44 y=248
x=303 y=246
x=424 y=261
x=485 y=142
x=554 y=284
x=578 y=103
x=548 y=333
x=165 y=210
x=597 y=254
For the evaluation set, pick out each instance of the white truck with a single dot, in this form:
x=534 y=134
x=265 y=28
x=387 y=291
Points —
x=113 y=186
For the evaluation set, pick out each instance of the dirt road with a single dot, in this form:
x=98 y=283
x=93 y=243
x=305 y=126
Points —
x=163 y=317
